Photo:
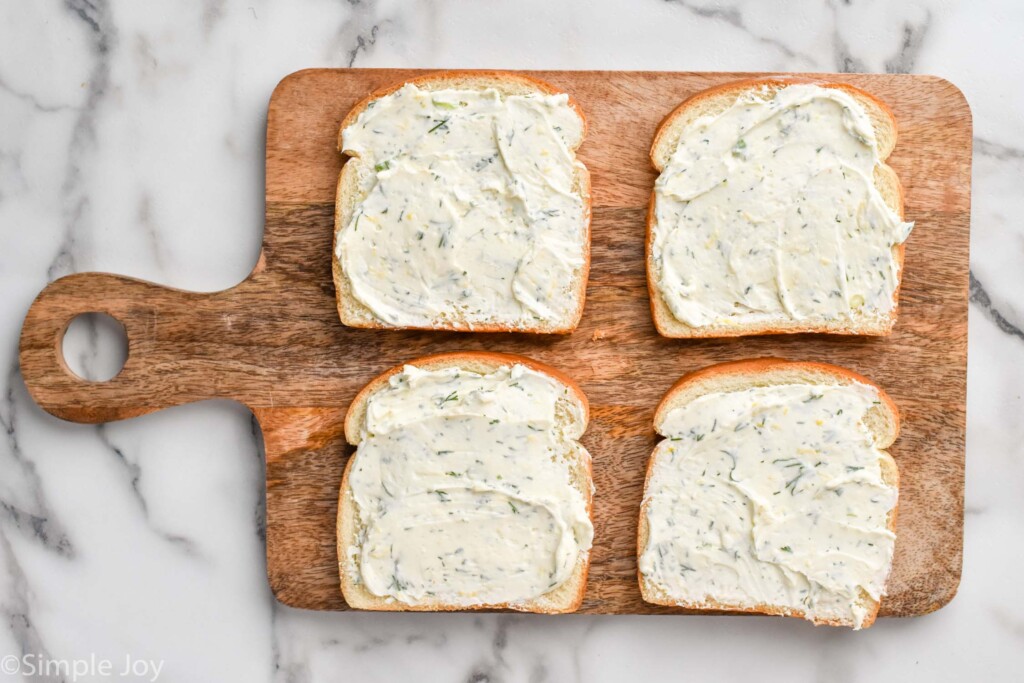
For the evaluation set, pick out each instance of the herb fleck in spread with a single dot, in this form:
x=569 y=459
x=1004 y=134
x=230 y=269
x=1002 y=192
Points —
x=472 y=211
x=463 y=487
x=791 y=514
x=769 y=212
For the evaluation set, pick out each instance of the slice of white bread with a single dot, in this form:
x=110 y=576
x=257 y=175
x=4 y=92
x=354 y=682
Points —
x=711 y=103
x=572 y=415
x=356 y=180
x=882 y=420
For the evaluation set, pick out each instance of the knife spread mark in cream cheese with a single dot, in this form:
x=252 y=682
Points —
x=769 y=212
x=472 y=212
x=463 y=485
x=771 y=496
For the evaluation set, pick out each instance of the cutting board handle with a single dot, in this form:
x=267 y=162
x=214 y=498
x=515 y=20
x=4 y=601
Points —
x=171 y=334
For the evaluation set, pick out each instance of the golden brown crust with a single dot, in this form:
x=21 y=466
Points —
x=755 y=366
x=460 y=326
x=659 y=309
x=748 y=368
x=900 y=250
x=452 y=360
x=653 y=297
x=441 y=76
x=747 y=84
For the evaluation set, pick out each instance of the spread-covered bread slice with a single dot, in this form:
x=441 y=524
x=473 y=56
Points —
x=775 y=212
x=463 y=207
x=469 y=488
x=772 y=492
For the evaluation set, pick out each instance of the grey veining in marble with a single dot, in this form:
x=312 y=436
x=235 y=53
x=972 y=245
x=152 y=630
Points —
x=131 y=141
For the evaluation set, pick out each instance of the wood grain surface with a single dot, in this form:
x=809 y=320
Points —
x=274 y=341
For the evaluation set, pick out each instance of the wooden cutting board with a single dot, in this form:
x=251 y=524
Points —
x=274 y=342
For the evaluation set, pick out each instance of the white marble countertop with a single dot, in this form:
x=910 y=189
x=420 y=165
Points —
x=131 y=141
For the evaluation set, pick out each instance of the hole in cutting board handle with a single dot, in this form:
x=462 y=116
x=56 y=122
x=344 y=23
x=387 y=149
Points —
x=95 y=346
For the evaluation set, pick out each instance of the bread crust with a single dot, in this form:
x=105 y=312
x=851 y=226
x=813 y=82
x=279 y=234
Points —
x=754 y=368
x=437 y=361
x=481 y=79
x=444 y=76
x=346 y=509
x=660 y=313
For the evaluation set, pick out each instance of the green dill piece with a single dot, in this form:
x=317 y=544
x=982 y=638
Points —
x=515 y=510
x=441 y=123
x=792 y=483
x=732 y=470
x=382 y=166
x=454 y=396
x=443 y=105
x=786 y=549
x=813 y=397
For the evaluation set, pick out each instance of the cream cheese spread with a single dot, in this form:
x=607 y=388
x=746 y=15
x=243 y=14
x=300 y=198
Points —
x=769 y=212
x=771 y=496
x=464 y=487
x=472 y=212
